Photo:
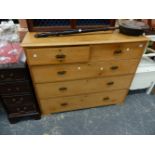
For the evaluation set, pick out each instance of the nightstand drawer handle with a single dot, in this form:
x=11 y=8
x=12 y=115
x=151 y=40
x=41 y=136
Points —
x=60 y=56
x=64 y=104
x=17 y=88
x=61 y=72
x=2 y=76
x=114 y=67
x=11 y=74
x=106 y=98
x=110 y=83
x=117 y=52
x=63 y=89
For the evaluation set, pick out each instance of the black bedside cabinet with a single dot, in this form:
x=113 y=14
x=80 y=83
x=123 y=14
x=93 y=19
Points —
x=17 y=93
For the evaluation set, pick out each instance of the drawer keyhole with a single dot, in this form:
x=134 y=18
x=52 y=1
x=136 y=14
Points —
x=63 y=89
x=110 y=83
x=61 y=72
x=114 y=67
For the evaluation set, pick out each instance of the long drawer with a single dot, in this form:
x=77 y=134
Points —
x=77 y=87
x=83 y=101
x=117 y=51
x=42 y=56
x=53 y=73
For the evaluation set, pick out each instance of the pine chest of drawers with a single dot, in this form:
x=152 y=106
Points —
x=82 y=71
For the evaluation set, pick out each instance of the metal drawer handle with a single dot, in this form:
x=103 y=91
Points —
x=2 y=76
x=64 y=104
x=63 y=89
x=25 y=108
x=60 y=56
x=110 y=83
x=13 y=99
x=18 y=109
x=117 y=52
x=9 y=89
x=106 y=98
x=21 y=98
x=114 y=67
x=61 y=72
x=17 y=88
x=11 y=75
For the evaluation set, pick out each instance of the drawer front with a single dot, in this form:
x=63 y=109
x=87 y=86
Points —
x=21 y=109
x=83 y=101
x=12 y=74
x=117 y=51
x=77 y=87
x=53 y=73
x=16 y=87
x=41 y=56
x=18 y=100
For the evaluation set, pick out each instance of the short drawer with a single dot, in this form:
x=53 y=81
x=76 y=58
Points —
x=13 y=74
x=83 y=101
x=117 y=51
x=77 y=87
x=53 y=73
x=18 y=100
x=15 y=87
x=21 y=109
x=41 y=56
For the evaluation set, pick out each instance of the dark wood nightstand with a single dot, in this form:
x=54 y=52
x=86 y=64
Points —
x=17 y=93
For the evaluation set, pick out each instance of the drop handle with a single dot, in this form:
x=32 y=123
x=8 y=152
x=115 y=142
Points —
x=114 y=67
x=116 y=52
x=61 y=72
x=110 y=83
x=106 y=98
x=64 y=104
x=62 y=89
x=60 y=56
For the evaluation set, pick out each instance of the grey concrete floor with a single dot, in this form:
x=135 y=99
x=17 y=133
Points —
x=136 y=116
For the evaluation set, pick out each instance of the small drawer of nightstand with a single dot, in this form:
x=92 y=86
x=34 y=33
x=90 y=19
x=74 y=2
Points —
x=18 y=100
x=23 y=109
x=15 y=87
x=13 y=74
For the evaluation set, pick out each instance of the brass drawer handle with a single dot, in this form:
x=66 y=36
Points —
x=64 y=104
x=110 y=83
x=61 y=72
x=63 y=89
x=60 y=56
x=106 y=98
x=117 y=52
x=114 y=67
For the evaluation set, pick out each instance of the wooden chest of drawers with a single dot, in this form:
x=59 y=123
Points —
x=82 y=71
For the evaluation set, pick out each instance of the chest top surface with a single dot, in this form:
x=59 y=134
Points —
x=81 y=39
